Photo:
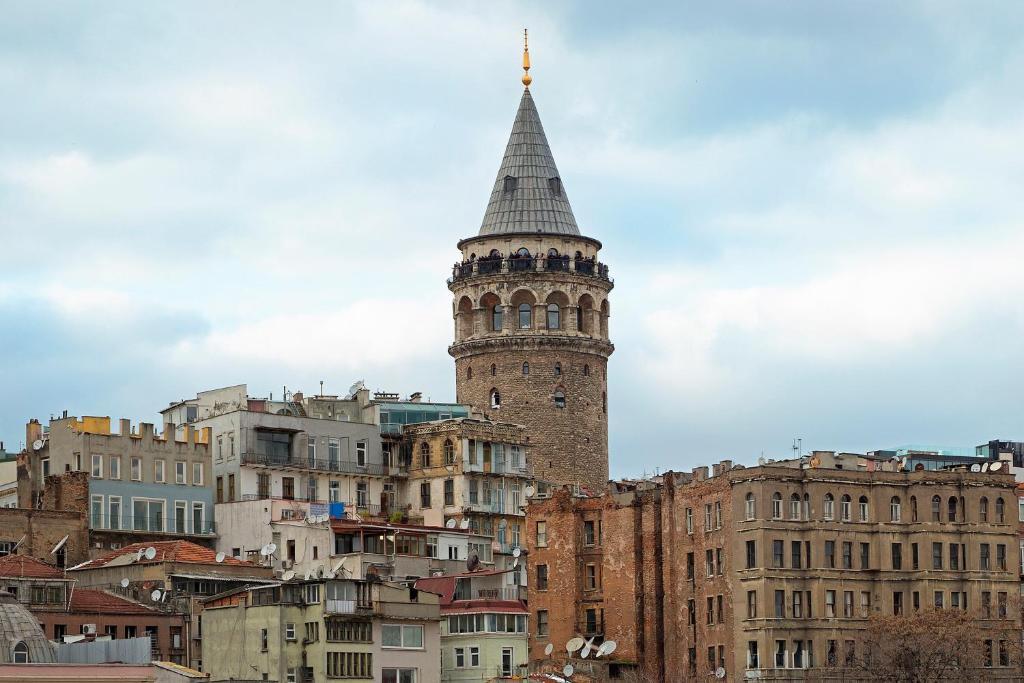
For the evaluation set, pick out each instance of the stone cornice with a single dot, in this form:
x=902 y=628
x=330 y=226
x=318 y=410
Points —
x=530 y=278
x=531 y=342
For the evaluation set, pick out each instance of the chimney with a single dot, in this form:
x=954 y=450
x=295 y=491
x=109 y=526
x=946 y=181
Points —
x=716 y=469
x=297 y=397
x=169 y=431
x=724 y=466
x=126 y=427
x=700 y=473
x=190 y=435
x=146 y=430
x=33 y=432
x=416 y=396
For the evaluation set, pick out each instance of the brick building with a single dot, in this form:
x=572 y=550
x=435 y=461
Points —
x=530 y=306
x=55 y=536
x=769 y=571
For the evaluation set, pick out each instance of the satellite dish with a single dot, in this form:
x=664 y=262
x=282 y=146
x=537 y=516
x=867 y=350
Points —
x=37 y=444
x=995 y=467
x=587 y=647
x=271 y=548
x=975 y=467
x=984 y=467
x=220 y=557
x=567 y=670
x=150 y=553
x=720 y=672
x=264 y=551
x=529 y=491
x=330 y=575
x=309 y=574
x=548 y=649
x=574 y=644
x=609 y=646
x=155 y=595
x=516 y=552
x=124 y=582
x=356 y=387
x=310 y=519
x=464 y=524
x=288 y=575
x=451 y=523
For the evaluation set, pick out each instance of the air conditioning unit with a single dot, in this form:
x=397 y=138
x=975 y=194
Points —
x=88 y=629
x=287 y=564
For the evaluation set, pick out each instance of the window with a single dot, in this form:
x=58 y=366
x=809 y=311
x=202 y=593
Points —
x=449 y=492
x=865 y=552
x=707 y=517
x=830 y=554
x=425 y=495
x=936 y=556
x=894 y=509
x=936 y=509
x=719 y=561
x=497 y=319
x=20 y=653
x=689 y=520
x=829 y=512
x=424 y=455
x=865 y=603
x=985 y=559
x=115 y=467
x=794 y=507
x=197 y=474
x=495 y=398
x=97 y=466
x=751 y=604
x=862 y=507
x=179 y=472
x=390 y=675
x=897 y=556
x=542 y=577
x=951 y=514
x=752 y=554
x=847 y=555
x=983 y=509
x=510 y=183
x=830 y=604
x=343 y=631
x=848 y=604
x=1001 y=557
x=401 y=636
x=798 y=605
x=114 y=519
x=362 y=494
x=718 y=514
x=752 y=661
x=554 y=317
x=289 y=631
x=350 y=665
x=986 y=604
x=780 y=654
x=780 y=604
x=778 y=551
x=897 y=603
x=954 y=556
x=558 y=369
x=999 y=510
x=263 y=640
x=360 y=453
x=709 y=563
x=542 y=534
x=525 y=316
x=159 y=475
x=559 y=397
x=1002 y=598
x=96 y=518
x=844 y=508
x=913 y=509
x=751 y=505
x=776 y=505
x=526 y=368
x=590 y=535
x=795 y=554
x=591 y=576
x=542 y=622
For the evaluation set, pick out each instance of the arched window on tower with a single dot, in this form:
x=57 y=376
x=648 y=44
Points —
x=525 y=316
x=555 y=185
x=586 y=370
x=526 y=368
x=554 y=317
x=494 y=370
x=604 y=402
x=559 y=398
x=495 y=398
x=558 y=369
x=511 y=183
x=469 y=372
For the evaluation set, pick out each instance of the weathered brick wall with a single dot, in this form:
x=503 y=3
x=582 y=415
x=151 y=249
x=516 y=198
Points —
x=567 y=445
x=43 y=529
x=66 y=491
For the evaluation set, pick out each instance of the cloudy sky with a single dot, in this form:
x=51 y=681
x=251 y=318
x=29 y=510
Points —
x=812 y=211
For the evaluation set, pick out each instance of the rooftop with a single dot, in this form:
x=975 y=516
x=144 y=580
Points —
x=181 y=552
x=25 y=567
x=90 y=601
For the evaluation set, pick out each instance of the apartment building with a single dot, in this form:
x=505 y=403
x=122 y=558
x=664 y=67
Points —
x=772 y=571
x=141 y=484
x=315 y=631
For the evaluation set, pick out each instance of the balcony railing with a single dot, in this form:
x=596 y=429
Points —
x=157 y=524
x=492 y=266
x=317 y=464
x=506 y=593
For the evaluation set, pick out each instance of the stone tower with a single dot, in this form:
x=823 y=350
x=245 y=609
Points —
x=531 y=314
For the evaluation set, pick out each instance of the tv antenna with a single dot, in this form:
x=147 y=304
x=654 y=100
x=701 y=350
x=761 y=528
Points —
x=798 y=447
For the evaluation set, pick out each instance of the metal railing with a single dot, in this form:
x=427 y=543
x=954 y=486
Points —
x=506 y=593
x=157 y=524
x=492 y=266
x=317 y=464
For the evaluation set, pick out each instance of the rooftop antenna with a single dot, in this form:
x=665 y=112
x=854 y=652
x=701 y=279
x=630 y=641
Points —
x=321 y=387
x=798 y=447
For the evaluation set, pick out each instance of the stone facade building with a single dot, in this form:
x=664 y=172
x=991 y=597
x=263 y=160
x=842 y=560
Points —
x=530 y=307
x=770 y=571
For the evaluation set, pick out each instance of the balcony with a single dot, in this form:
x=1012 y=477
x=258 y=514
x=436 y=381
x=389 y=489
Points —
x=151 y=524
x=493 y=266
x=312 y=464
x=505 y=593
x=591 y=628
x=493 y=508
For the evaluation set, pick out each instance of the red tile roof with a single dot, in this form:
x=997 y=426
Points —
x=167 y=551
x=89 y=601
x=23 y=566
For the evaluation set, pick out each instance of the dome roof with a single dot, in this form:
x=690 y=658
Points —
x=21 y=632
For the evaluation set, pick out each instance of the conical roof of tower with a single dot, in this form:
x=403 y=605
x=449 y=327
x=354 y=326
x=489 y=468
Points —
x=528 y=194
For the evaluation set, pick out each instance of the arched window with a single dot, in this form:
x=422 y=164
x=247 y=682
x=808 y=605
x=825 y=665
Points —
x=830 y=507
x=895 y=512
x=469 y=372
x=497 y=318
x=20 y=653
x=776 y=505
x=586 y=370
x=495 y=399
x=604 y=402
x=523 y=252
x=999 y=510
x=862 y=505
x=951 y=514
x=526 y=368
x=558 y=369
x=424 y=455
x=983 y=509
x=554 y=317
x=552 y=253
x=936 y=509
x=794 y=506
x=449 y=452
x=751 y=507
x=555 y=185
x=579 y=319
x=559 y=398
x=844 y=508
x=913 y=508
x=525 y=316
x=510 y=184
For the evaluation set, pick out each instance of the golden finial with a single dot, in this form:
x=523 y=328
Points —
x=527 y=80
